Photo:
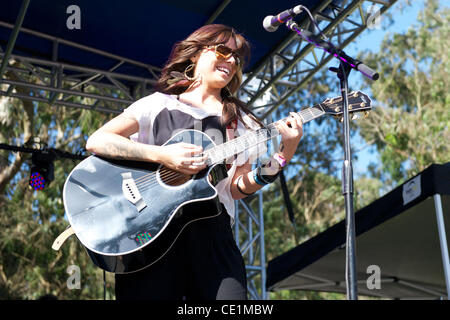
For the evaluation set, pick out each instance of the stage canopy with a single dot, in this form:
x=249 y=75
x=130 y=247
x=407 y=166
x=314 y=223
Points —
x=142 y=31
x=112 y=52
x=399 y=237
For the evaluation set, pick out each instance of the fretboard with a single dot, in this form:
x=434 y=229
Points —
x=251 y=139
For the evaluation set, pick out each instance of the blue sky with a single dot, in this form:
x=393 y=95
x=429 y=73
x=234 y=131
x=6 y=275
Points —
x=371 y=40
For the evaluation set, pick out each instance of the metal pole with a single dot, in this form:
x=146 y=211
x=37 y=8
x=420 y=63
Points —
x=67 y=66
x=443 y=241
x=219 y=10
x=262 y=247
x=150 y=68
x=65 y=91
x=13 y=37
x=347 y=188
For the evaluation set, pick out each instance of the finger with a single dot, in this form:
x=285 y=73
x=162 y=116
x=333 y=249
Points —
x=191 y=146
x=297 y=117
x=188 y=145
x=198 y=153
x=187 y=161
x=192 y=169
x=290 y=123
x=194 y=161
x=197 y=157
x=202 y=159
x=282 y=126
x=298 y=122
x=197 y=166
x=294 y=120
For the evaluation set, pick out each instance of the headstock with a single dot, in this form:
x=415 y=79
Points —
x=357 y=102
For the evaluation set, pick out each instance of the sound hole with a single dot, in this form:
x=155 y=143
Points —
x=172 y=177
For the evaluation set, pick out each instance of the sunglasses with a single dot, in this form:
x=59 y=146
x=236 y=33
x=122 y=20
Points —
x=224 y=52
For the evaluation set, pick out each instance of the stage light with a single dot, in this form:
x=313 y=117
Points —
x=42 y=170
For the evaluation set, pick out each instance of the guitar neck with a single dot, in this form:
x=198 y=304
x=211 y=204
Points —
x=250 y=139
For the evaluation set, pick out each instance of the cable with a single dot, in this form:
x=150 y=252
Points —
x=104 y=285
x=59 y=153
x=314 y=22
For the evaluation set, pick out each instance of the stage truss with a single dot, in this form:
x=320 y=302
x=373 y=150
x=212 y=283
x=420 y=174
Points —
x=272 y=83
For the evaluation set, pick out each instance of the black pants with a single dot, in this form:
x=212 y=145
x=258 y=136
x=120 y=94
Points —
x=204 y=264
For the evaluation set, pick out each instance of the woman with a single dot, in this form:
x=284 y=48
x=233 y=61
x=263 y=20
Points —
x=195 y=91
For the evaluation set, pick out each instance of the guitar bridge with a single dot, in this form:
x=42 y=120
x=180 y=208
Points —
x=131 y=192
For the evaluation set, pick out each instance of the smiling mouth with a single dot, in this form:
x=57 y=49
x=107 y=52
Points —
x=224 y=70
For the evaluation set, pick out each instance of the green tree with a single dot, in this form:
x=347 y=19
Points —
x=410 y=124
x=31 y=220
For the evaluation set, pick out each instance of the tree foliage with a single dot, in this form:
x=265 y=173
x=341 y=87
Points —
x=31 y=220
x=411 y=120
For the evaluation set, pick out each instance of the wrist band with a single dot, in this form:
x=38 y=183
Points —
x=240 y=190
x=280 y=159
x=257 y=177
x=267 y=178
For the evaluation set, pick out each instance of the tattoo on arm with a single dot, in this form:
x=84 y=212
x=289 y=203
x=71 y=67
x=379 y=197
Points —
x=123 y=150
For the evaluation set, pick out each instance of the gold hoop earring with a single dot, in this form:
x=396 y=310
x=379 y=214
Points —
x=197 y=81
x=188 y=69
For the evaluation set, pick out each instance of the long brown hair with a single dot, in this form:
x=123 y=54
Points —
x=180 y=58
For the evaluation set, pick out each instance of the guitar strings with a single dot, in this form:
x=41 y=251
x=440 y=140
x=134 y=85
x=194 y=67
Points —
x=149 y=180
x=150 y=176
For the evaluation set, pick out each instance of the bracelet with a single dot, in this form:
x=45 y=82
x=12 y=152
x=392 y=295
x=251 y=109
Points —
x=240 y=190
x=280 y=159
x=267 y=178
x=257 y=177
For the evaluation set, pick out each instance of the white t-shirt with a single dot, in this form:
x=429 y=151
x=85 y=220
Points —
x=160 y=116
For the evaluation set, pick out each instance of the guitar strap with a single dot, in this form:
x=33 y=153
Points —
x=62 y=238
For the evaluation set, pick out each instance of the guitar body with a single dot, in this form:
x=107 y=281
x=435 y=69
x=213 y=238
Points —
x=128 y=214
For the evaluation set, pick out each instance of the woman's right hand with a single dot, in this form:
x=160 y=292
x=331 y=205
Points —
x=183 y=157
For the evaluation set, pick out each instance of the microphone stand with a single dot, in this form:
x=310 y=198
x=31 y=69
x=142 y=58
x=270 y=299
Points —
x=346 y=64
x=347 y=186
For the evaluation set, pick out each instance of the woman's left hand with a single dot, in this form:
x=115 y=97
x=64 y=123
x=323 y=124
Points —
x=291 y=132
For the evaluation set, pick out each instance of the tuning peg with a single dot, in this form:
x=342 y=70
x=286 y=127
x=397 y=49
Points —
x=341 y=119
x=366 y=114
x=355 y=116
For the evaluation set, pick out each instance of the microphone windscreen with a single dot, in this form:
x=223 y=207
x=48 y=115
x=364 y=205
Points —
x=267 y=24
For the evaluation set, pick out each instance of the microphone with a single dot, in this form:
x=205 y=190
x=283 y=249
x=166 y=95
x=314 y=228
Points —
x=330 y=48
x=271 y=23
